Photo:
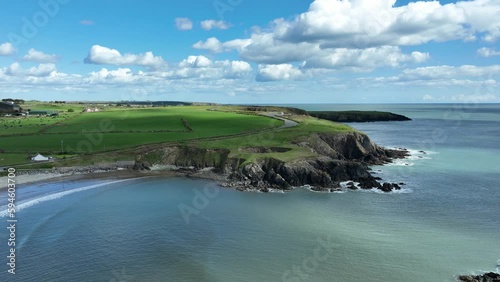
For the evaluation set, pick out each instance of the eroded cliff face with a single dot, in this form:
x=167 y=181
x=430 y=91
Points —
x=352 y=146
x=341 y=157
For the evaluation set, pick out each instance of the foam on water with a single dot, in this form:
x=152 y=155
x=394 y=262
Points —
x=414 y=155
x=400 y=162
x=378 y=191
x=55 y=196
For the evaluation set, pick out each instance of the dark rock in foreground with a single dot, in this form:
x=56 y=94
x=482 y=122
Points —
x=487 y=277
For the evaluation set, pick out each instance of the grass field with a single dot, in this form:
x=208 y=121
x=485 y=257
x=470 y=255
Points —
x=282 y=138
x=118 y=128
x=76 y=138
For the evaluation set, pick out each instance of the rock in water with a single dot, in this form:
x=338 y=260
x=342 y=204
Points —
x=487 y=277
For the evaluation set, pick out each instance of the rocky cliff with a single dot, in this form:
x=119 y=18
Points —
x=340 y=157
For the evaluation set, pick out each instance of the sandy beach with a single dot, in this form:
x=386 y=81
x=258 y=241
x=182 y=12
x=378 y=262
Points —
x=51 y=176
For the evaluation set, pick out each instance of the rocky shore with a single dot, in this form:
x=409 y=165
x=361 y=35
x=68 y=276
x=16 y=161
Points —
x=341 y=158
x=487 y=277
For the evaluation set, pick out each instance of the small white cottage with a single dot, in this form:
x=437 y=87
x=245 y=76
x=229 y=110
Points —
x=40 y=158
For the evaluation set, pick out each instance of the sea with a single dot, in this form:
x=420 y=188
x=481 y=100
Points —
x=445 y=221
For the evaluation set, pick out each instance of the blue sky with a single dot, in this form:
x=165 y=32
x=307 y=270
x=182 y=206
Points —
x=242 y=51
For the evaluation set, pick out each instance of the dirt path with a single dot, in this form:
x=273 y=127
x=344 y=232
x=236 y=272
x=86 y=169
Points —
x=288 y=123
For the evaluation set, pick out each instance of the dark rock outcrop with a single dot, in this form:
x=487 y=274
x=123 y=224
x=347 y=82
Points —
x=487 y=277
x=142 y=165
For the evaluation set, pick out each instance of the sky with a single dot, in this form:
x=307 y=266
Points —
x=251 y=51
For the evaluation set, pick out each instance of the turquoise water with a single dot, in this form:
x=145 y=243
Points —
x=445 y=222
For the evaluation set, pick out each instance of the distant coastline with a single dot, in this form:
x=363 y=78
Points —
x=358 y=116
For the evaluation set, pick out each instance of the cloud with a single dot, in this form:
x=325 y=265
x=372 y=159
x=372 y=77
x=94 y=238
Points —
x=213 y=45
x=369 y=23
x=13 y=70
x=341 y=33
x=42 y=70
x=195 y=61
x=440 y=76
x=87 y=22
x=236 y=69
x=183 y=24
x=268 y=73
x=40 y=57
x=438 y=72
x=7 y=49
x=429 y=98
x=200 y=67
x=487 y=52
x=478 y=98
x=213 y=24
x=121 y=75
x=364 y=59
x=100 y=55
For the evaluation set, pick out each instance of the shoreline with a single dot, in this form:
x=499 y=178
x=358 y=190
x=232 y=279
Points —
x=51 y=176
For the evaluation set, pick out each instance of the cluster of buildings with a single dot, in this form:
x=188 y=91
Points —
x=10 y=108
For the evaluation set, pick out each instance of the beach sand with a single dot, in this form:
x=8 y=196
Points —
x=45 y=177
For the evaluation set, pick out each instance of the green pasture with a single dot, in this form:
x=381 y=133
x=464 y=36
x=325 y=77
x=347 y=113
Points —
x=28 y=125
x=281 y=138
x=114 y=133
x=82 y=133
x=11 y=159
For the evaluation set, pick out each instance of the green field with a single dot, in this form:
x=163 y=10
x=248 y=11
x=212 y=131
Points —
x=282 y=138
x=114 y=132
x=118 y=128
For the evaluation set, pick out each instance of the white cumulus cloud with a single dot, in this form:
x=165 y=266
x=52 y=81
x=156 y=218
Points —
x=100 y=55
x=40 y=57
x=196 y=62
x=42 y=70
x=213 y=24
x=277 y=72
x=488 y=52
x=212 y=44
x=183 y=24
x=7 y=49
x=366 y=34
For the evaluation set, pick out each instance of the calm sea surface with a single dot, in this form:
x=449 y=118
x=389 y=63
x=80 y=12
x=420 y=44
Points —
x=445 y=222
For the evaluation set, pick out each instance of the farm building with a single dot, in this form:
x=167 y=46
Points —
x=9 y=108
x=40 y=158
x=91 y=110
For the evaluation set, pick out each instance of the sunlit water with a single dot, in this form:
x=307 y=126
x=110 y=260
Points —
x=445 y=222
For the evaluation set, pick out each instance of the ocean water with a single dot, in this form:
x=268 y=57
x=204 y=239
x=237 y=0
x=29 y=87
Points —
x=445 y=222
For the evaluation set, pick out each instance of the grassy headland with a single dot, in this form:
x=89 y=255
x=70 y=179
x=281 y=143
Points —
x=359 y=116
x=117 y=133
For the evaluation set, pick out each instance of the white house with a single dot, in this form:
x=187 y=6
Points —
x=40 y=158
x=91 y=110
